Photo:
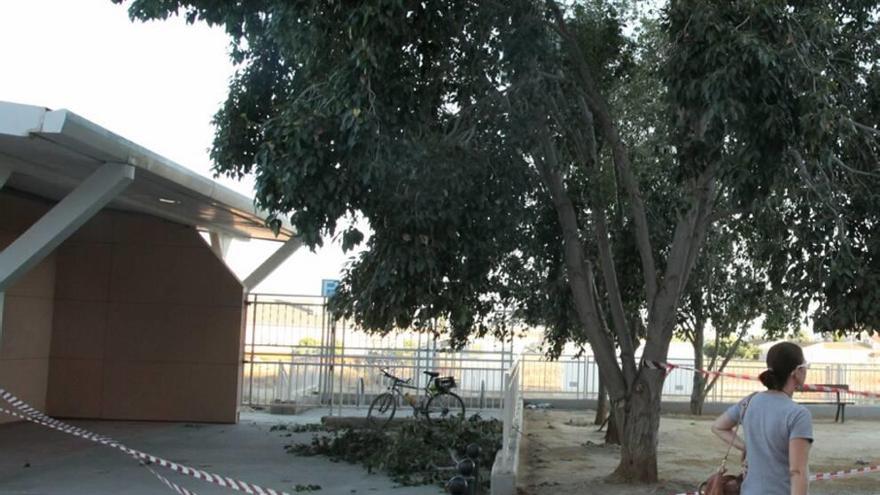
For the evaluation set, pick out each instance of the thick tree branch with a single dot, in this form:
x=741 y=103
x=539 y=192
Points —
x=686 y=244
x=591 y=280
x=580 y=282
x=585 y=148
x=866 y=128
x=717 y=346
x=619 y=154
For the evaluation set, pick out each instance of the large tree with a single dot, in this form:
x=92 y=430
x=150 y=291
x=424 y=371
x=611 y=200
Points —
x=495 y=147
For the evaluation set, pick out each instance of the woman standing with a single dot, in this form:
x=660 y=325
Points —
x=778 y=431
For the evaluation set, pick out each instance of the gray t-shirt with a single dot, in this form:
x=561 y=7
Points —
x=772 y=419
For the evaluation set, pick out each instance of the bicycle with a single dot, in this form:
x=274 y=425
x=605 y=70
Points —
x=438 y=403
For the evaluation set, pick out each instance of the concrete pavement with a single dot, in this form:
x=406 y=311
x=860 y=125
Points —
x=38 y=461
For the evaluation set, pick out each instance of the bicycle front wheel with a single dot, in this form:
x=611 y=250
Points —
x=382 y=410
x=445 y=406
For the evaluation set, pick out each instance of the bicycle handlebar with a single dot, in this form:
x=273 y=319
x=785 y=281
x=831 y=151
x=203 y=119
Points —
x=389 y=375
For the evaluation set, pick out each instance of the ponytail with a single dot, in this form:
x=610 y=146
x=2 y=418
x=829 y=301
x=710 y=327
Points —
x=770 y=380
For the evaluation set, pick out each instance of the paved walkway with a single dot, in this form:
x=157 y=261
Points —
x=34 y=460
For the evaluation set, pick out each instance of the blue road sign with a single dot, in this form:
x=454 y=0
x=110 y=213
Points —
x=328 y=287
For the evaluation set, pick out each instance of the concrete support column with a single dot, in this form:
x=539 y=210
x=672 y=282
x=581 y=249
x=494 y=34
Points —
x=271 y=263
x=62 y=220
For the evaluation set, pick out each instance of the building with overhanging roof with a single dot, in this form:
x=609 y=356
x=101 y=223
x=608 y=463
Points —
x=113 y=304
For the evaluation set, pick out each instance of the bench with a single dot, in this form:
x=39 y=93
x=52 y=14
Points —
x=840 y=415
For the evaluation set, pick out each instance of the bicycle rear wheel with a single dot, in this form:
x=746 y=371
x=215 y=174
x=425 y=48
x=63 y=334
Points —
x=445 y=406
x=382 y=410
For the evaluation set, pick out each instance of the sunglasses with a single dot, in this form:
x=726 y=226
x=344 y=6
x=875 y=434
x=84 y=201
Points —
x=805 y=366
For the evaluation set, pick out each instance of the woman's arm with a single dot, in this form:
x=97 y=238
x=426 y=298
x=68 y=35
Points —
x=798 y=457
x=723 y=428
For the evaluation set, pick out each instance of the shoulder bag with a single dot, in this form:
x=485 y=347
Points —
x=721 y=483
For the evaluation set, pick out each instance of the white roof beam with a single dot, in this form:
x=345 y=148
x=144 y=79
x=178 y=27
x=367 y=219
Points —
x=272 y=262
x=62 y=220
x=220 y=244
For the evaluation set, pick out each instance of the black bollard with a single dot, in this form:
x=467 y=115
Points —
x=466 y=468
x=458 y=485
x=473 y=451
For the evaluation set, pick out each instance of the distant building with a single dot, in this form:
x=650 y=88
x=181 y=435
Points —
x=836 y=352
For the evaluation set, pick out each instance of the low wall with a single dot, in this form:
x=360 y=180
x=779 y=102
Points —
x=504 y=474
x=506 y=466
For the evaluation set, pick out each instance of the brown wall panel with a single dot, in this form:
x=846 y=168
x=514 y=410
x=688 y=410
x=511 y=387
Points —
x=83 y=271
x=79 y=329
x=26 y=327
x=173 y=333
x=131 y=318
x=76 y=387
x=145 y=305
x=169 y=391
x=27 y=379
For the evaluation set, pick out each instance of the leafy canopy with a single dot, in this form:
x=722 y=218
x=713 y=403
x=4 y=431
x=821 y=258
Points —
x=422 y=118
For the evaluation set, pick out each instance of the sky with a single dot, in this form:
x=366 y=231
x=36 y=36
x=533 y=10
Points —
x=157 y=84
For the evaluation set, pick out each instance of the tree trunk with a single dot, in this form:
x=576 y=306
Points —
x=698 y=395
x=601 y=404
x=612 y=433
x=640 y=416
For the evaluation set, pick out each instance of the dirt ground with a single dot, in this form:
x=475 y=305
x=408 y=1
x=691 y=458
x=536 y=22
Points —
x=563 y=454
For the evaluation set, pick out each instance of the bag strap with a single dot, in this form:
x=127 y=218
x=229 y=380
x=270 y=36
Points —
x=742 y=416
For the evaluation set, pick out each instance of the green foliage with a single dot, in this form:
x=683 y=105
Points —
x=730 y=291
x=306 y=488
x=309 y=345
x=397 y=111
x=421 y=118
x=799 y=116
x=821 y=239
x=745 y=350
x=308 y=427
x=308 y=342
x=490 y=146
x=412 y=454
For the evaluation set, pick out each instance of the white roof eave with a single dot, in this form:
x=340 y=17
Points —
x=73 y=131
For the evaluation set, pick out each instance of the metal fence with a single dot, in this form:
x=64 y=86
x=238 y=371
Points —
x=572 y=377
x=294 y=352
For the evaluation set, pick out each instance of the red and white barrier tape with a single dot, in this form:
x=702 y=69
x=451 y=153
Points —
x=668 y=367
x=95 y=438
x=845 y=474
x=658 y=365
x=30 y=414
